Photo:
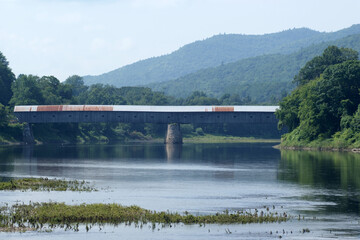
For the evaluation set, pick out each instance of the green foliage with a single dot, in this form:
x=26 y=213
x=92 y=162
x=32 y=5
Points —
x=26 y=91
x=324 y=110
x=345 y=121
x=50 y=90
x=3 y=116
x=45 y=184
x=53 y=215
x=6 y=79
x=32 y=90
x=331 y=55
x=201 y=99
x=355 y=122
x=328 y=98
x=288 y=115
x=233 y=99
x=199 y=131
x=76 y=84
x=210 y=138
x=99 y=94
x=144 y=96
x=9 y=132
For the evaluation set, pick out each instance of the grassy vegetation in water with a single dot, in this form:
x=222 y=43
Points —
x=37 y=215
x=45 y=184
x=209 y=138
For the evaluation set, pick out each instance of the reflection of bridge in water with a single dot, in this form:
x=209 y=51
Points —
x=172 y=115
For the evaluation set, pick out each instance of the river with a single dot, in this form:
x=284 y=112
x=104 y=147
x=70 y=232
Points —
x=322 y=187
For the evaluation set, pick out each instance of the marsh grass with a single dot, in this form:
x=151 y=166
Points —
x=45 y=184
x=210 y=138
x=53 y=215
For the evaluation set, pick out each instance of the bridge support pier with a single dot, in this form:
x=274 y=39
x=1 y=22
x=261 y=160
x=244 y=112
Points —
x=173 y=135
x=28 y=136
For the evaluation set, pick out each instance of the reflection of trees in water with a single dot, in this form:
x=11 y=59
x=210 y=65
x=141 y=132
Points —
x=29 y=159
x=7 y=156
x=229 y=153
x=28 y=151
x=325 y=170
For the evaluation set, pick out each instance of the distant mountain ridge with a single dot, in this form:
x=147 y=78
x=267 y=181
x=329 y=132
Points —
x=264 y=78
x=212 y=52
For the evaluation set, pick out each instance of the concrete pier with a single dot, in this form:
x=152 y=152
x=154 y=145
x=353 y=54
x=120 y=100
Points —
x=173 y=135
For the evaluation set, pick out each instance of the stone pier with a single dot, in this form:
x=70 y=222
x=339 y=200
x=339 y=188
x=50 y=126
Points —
x=173 y=135
x=28 y=135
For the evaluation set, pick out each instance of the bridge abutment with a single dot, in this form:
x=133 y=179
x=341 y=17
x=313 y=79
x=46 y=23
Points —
x=173 y=135
x=28 y=136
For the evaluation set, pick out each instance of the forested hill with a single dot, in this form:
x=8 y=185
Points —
x=264 y=79
x=214 y=51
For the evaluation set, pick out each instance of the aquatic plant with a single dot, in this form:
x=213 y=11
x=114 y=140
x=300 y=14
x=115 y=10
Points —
x=37 y=215
x=45 y=184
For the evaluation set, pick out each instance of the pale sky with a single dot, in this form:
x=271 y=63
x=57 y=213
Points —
x=91 y=37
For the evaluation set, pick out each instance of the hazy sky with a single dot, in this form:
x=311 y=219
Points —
x=66 y=37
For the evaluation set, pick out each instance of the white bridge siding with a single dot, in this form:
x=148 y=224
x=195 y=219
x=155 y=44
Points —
x=145 y=114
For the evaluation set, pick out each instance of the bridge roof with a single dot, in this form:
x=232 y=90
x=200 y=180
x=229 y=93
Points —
x=142 y=108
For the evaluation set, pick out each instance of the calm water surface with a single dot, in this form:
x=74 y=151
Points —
x=199 y=178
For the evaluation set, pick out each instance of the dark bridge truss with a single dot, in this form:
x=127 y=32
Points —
x=149 y=114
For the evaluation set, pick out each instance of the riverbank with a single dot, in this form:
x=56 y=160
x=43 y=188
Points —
x=209 y=138
x=206 y=138
x=326 y=149
x=337 y=143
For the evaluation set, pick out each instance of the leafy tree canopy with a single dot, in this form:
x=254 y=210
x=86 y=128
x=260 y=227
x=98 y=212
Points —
x=76 y=83
x=200 y=98
x=33 y=90
x=322 y=106
x=3 y=115
x=102 y=95
x=331 y=55
x=6 y=79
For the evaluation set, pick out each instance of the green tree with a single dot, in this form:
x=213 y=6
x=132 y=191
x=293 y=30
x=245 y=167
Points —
x=3 y=116
x=331 y=55
x=6 y=80
x=26 y=91
x=49 y=87
x=326 y=104
x=355 y=122
x=323 y=104
x=289 y=110
x=327 y=99
x=76 y=83
x=99 y=94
